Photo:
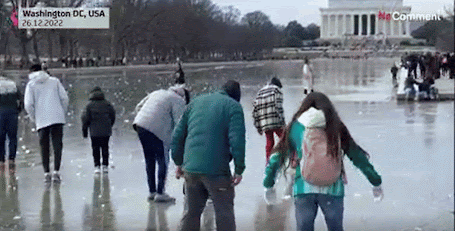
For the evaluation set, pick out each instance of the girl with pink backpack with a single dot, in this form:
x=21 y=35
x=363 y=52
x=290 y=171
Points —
x=314 y=143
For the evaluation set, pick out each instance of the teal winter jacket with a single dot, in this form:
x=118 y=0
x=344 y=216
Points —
x=355 y=153
x=209 y=135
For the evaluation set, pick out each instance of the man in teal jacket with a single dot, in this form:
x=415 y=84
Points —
x=209 y=135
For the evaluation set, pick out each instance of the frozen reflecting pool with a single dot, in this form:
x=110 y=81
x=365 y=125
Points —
x=411 y=146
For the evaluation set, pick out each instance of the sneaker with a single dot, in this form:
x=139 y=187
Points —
x=47 y=177
x=56 y=177
x=152 y=196
x=164 y=198
x=97 y=170
x=105 y=169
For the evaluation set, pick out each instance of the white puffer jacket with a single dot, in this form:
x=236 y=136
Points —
x=160 y=111
x=45 y=100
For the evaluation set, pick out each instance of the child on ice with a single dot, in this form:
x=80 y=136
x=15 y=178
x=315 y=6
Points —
x=99 y=117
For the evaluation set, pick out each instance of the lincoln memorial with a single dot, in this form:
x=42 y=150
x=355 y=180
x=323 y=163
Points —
x=360 y=18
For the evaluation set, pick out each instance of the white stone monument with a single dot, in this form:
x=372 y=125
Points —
x=360 y=19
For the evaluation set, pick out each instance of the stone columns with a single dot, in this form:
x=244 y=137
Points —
x=329 y=25
x=344 y=24
x=376 y=25
x=360 y=25
x=322 y=26
x=391 y=27
x=336 y=25
x=408 y=30
x=368 y=24
x=384 y=27
x=352 y=24
x=400 y=28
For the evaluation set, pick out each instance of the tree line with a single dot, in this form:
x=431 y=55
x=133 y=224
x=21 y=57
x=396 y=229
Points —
x=156 y=30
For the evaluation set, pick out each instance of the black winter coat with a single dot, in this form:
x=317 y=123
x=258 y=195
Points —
x=98 y=115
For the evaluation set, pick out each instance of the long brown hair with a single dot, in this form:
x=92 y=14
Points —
x=334 y=127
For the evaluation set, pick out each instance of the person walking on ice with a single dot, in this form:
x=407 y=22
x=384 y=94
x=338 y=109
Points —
x=10 y=106
x=268 y=113
x=320 y=140
x=308 y=79
x=98 y=117
x=46 y=103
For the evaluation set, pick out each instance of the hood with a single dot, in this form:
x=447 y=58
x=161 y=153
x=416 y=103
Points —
x=96 y=95
x=7 y=86
x=232 y=88
x=312 y=118
x=179 y=89
x=38 y=77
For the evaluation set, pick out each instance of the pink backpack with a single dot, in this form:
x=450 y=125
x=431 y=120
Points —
x=317 y=166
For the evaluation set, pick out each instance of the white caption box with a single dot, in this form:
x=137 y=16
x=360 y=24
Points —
x=63 y=18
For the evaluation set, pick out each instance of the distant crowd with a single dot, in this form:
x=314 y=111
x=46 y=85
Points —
x=430 y=65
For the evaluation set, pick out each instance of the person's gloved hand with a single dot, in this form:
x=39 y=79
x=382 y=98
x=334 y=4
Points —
x=378 y=193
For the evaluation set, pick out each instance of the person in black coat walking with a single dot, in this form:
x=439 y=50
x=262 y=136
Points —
x=99 y=117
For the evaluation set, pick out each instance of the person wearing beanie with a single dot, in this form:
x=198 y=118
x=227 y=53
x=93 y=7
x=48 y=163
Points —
x=268 y=113
x=210 y=134
x=98 y=117
x=10 y=106
x=46 y=103
x=156 y=117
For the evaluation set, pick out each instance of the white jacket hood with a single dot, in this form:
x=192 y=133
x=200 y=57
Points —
x=179 y=89
x=38 y=77
x=312 y=118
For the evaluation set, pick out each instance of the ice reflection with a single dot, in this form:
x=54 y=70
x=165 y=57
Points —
x=55 y=221
x=100 y=214
x=10 y=215
x=157 y=218
x=409 y=112
x=208 y=218
x=272 y=217
x=429 y=113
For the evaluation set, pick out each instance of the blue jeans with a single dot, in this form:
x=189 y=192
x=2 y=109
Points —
x=306 y=209
x=8 y=127
x=153 y=152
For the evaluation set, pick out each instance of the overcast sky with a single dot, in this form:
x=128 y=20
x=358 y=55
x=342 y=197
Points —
x=307 y=11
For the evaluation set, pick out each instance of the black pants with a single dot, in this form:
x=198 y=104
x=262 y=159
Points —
x=100 y=142
x=56 y=132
